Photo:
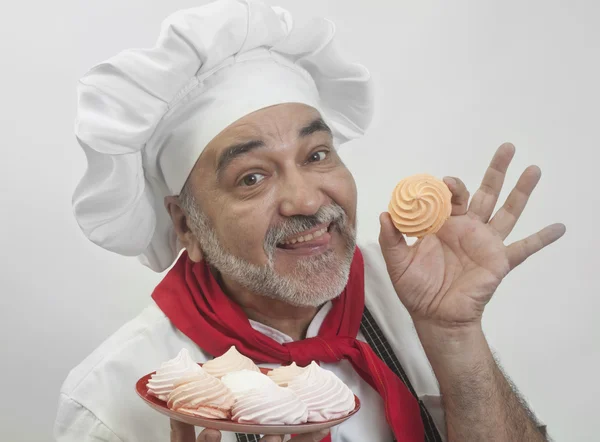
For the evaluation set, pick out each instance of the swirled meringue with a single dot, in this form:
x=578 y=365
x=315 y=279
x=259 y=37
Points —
x=163 y=381
x=325 y=395
x=283 y=375
x=203 y=395
x=241 y=382
x=270 y=406
x=230 y=361
x=420 y=205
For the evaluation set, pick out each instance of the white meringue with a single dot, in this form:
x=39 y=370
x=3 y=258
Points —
x=243 y=381
x=163 y=381
x=325 y=395
x=270 y=406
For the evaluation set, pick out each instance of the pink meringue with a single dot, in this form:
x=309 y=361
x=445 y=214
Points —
x=229 y=362
x=283 y=375
x=203 y=395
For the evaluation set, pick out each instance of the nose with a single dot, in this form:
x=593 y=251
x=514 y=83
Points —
x=300 y=194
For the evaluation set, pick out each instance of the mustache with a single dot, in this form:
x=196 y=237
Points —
x=296 y=224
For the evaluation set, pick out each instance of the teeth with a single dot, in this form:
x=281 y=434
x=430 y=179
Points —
x=308 y=237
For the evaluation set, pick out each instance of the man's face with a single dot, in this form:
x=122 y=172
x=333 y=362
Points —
x=274 y=207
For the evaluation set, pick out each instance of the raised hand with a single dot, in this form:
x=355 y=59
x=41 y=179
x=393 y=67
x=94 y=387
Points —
x=446 y=279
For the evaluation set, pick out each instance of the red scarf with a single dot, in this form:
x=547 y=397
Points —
x=192 y=299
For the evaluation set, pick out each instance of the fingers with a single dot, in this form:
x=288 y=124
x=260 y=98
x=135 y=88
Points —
x=208 y=435
x=308 y=437
x=521 y=250
x=182 y=432
x=486 y=197
x=504 y=221
x=460 y=195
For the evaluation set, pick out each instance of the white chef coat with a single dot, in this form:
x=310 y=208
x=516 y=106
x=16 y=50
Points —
x=98 y=402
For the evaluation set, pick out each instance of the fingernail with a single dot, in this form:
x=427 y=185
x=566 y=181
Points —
x=213 y=437
x=449 y=180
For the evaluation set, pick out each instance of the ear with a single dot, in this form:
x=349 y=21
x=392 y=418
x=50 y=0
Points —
x=182 y=229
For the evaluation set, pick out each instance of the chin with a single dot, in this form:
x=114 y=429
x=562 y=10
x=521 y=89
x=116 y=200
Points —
x=314 y=281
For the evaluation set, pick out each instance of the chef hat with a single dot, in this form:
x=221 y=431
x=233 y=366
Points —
x=145 y=115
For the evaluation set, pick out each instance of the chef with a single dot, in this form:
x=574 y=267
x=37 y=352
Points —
x=214 y=154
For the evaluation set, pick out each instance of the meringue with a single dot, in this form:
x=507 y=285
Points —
x=270 y=406
x=163 y=381
x=420 y=205
x=202 y=395
x=241 y=382
x=229 y=362
x=325 y=395
x=283 y=375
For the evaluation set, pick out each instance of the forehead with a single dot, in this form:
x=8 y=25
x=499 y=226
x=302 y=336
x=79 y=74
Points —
x=282 y=120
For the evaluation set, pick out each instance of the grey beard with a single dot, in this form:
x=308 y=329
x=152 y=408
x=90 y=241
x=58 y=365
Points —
x=314 y=280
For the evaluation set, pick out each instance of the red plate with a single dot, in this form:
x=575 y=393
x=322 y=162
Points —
x=229 y=425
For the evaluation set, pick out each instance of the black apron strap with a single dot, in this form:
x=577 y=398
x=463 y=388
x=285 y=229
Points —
x=241 y=437
x=380 y=345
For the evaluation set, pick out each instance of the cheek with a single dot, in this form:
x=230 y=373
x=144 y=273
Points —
x=342 y=190
x=242 y=233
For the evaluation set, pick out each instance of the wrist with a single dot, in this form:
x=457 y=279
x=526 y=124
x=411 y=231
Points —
x=455 y=345
x=461 y=360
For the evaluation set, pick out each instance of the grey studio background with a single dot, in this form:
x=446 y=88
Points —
x=454 y=80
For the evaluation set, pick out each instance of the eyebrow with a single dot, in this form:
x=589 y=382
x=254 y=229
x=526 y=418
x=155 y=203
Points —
x=236 y=150
x=314 y=126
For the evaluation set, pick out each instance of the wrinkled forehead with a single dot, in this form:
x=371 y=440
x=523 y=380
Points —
x=277 y=121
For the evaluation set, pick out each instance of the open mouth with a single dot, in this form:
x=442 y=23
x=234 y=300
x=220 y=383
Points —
x=317 y=236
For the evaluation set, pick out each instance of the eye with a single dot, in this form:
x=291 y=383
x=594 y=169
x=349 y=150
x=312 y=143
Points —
x=252 y=179
x=318 y=156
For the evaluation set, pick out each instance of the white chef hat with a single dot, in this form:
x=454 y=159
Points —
x=145 y=115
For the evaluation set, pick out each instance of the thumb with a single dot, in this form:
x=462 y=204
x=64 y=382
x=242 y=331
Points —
x=392 y=242
x=208 y=435
x=182 y=432
x=396 y=252
x=318 y=436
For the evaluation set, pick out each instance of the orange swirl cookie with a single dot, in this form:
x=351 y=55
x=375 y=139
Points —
x=420 y=205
